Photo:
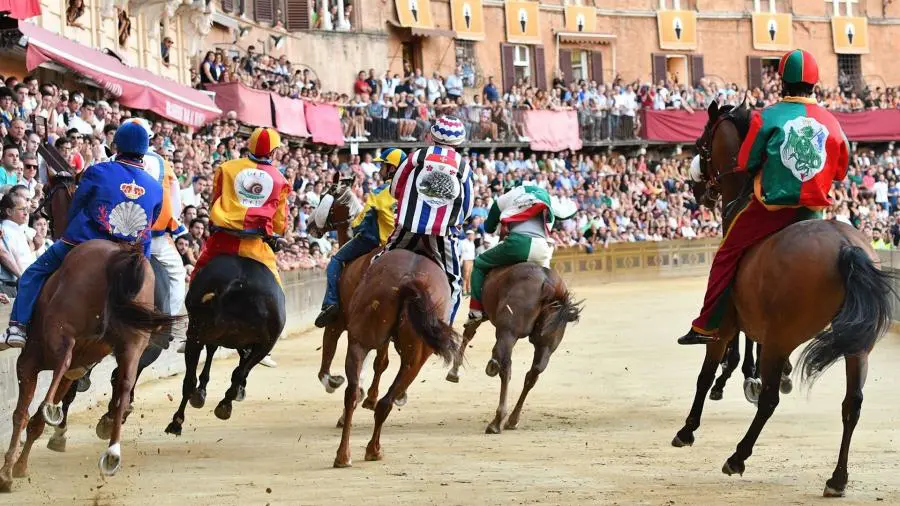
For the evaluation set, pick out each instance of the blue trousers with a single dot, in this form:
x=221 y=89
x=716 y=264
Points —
x=33 y=280
x=357 y=247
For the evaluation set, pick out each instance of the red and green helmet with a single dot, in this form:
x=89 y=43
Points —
x=798 y=66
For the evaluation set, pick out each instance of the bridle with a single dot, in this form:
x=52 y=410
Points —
x=704 y=150
x=332 y=190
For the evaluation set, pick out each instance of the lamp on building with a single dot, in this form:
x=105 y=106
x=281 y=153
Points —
x=278 y=41
x=243 y=31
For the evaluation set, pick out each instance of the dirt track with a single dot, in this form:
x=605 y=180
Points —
x=595 y=430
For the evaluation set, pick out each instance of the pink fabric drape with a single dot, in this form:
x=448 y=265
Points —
x=290 y=116
x=552 y=130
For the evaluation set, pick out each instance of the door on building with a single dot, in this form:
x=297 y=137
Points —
x=522 y=63
x=674 y=68
x=580 y=64
x=412 y=53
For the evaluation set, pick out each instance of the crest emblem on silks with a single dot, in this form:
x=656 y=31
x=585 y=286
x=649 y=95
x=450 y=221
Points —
x=436 y=187
x=253 y=187
x=128 y=219
x=803 y=148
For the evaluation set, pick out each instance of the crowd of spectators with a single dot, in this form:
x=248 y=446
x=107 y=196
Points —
x=620 y=199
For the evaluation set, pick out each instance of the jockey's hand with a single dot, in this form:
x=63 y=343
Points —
x=4 y=299
x=276 y=243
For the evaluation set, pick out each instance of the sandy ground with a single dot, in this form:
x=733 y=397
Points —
x=595 y=430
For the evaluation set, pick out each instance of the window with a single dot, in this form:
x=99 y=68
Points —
x=412 y=54
x=580 y=65
x=465 y=60
x=676 y=69
x=850 y=73
x=522 y=63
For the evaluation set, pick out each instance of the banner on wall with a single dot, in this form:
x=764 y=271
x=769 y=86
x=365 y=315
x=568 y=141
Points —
x=522 y=22
x=581 y=18
x=773 y=31
x=468 y=19
x=414 y=13
x=677 y=29
x=850 y=35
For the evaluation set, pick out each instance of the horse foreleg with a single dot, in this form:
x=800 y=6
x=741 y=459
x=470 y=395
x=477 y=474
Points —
x=51 y=409
x=468 y=335
x=57 y=441
x=771 y=368
x=27 y=370
x=748 y=368
x=352 y=367
x=857 y=366
x=239 y=378
x=330 y=338
x=538 y=364
x=127 y=360
x=191 y=359
x=787 y=386
x=412 y=358
x=35 y=429
x=732 y=358
x=198 y=397
x=714 y=353
x=501 y=362
x=381 y=363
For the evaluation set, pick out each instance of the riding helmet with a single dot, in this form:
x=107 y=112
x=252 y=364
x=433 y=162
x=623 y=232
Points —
x=263 y=141
x=449 y=131
x=131 y=138
x=798 y=66
x=143 y=123
x=392 y=156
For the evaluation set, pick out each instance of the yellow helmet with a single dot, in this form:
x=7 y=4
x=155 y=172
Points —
x=263 y=141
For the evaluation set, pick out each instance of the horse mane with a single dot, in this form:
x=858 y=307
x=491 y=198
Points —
x=739 y=116
x=349 y=199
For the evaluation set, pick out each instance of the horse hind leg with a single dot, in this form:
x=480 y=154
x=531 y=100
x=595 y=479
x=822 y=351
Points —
x=714 y=353
x=539 y=363
x=787 y=385
x=127 y=359
x=352 y=368
x=198 y=397
x=468 y=335
x=57 y=441
x=381 y=363
x=367 y=362
x=239 y=378
x=192 y=349
x=501 y=362
x=27 y=370
x=732 y=358
x=51 y=409
x=857 y=367
x=35 y=429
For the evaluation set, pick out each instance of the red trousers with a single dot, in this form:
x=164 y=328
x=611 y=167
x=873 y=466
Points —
x=751 y=225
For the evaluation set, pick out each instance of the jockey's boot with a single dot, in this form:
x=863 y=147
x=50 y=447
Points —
x=475 y=316
x=694 y=337
x=13 y=338
x=328 y=315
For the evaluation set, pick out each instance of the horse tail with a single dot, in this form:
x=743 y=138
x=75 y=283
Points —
x=864 y=316
x=425 y=317
x=558 y=308
x=125 y=275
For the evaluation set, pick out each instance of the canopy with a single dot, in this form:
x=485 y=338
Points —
x=21 y=9
x=135 y=88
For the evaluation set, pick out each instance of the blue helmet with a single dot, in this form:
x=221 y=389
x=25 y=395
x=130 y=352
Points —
x=132 y=138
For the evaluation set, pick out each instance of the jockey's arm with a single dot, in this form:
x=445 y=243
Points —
x=401 y=174
x=280 y=219
x=85 y=191
x=493 y=218
x=843 y=159
x=751 y=155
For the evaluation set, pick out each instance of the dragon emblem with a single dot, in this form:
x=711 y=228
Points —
x=803 y=148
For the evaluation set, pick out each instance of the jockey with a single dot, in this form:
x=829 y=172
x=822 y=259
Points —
x=794 y=150
x=528 y=213
x=117 y=201
x=249 y=209
x=371 y=228
x=167 y=227
x=433 y=189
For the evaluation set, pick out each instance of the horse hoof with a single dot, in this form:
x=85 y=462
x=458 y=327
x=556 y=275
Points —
x=752 y=388
x=84 y=384
x=832 y=492
x=5 y=485
x=492 y=429
x=493 y=368
x=20 y=471
x=510 y=426
x=111 y=460
x=104 y=427
x=400 y=400
x=340 y=422
x=334 y=382
x=241 y=394
x=730 y=469
x=57 y=444
x=341 y=464
x=52 y=414
x=452 y=378
x=715 y=395
x=681 y=442
x=374 y=456
x=223 y=411
x=787 y=386
x=368 y=404
x=174 y=428
x=198 y=398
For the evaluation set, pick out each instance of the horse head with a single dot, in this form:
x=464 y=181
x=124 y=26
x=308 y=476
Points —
x=717 y=149
x=338 y=207
x=56 y=203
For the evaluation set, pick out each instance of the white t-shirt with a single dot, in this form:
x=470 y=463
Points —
x=881 y=192
x=467 y=249
x=368 y=168
x=15 y=238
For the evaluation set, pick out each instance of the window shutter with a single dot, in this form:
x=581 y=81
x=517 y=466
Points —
x=659 y=68
x=597 y=66
x=565 y=64
x=507 y=56
x=297 y=13
x=540 y=68
x=228 y=6
x=697 y=72
x=264 y=11
x=754 y=72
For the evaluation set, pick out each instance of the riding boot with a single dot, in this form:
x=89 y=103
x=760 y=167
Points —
x=329 y=314
x=694 y=337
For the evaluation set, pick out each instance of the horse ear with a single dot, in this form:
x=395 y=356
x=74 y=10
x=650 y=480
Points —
x=713 y=110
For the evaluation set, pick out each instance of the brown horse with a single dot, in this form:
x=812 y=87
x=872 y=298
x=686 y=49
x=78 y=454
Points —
x=521 y=300
x=338 y=212
x=55 y=206
x=814 y=280
x=99 y=302
x=403 y=294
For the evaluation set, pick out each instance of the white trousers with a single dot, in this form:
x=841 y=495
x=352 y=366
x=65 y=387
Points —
x=163 y=249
